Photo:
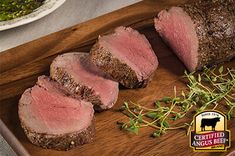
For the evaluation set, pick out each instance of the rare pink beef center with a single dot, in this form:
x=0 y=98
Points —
x=133 y=49
x=53 y=113
x=85 y=73
x=177 y=29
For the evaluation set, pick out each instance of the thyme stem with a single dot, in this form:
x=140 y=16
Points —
x=205 y=91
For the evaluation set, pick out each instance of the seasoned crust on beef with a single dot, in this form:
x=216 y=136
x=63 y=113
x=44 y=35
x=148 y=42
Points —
x=215 y=17
x=215 y=27
x=216 y=51
x=102 y=99
x=117 y=70
x=59 y=142
x=80 y=91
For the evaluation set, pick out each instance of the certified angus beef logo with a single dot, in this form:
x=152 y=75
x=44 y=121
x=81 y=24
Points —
x=210 y=132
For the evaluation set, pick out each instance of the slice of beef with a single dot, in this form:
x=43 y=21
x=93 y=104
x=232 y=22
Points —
x=200 y=33
x=126 y=56
x=51 y=119
x=75 y=72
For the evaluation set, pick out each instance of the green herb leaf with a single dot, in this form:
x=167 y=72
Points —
x=152 y=115
x=178 y=116
x=192 y=78
x=166 y=99
x=126 y=105
x=157 y=104
x=132 y=122
x=165 y=124
x=214 y=78
x=199 y=78
x=228 y=116
x=156 y=134
x=140 y=119
x=176 y=99
x=183 y=94
x=221 y=69
x=133 y=129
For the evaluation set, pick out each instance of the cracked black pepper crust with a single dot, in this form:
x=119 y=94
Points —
x=77 y=90
x=215 y=27
x=80 y=91
x=61 y=142
x=65 y=141
x=117 y=70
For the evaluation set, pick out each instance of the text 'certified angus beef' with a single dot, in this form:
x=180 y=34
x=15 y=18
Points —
x=126 y=56
x=201 y=33
x=76 y=73
x=51 y=119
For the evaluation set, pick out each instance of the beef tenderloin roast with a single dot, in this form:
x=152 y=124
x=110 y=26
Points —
x=126 y=56
x=200 y=33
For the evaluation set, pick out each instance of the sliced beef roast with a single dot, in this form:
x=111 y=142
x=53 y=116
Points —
x=80 y=77
x=126 y=56
x=201 y=33
x=51 y=119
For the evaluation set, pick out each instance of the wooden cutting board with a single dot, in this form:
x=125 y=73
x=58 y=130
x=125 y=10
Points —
x=20 y=67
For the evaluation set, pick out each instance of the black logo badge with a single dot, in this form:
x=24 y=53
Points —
x=210 y=132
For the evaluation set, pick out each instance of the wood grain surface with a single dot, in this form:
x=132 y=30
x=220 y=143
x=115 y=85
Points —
x=21 y=66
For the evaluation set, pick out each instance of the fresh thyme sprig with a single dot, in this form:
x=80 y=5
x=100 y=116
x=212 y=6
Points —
x=206 y=90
